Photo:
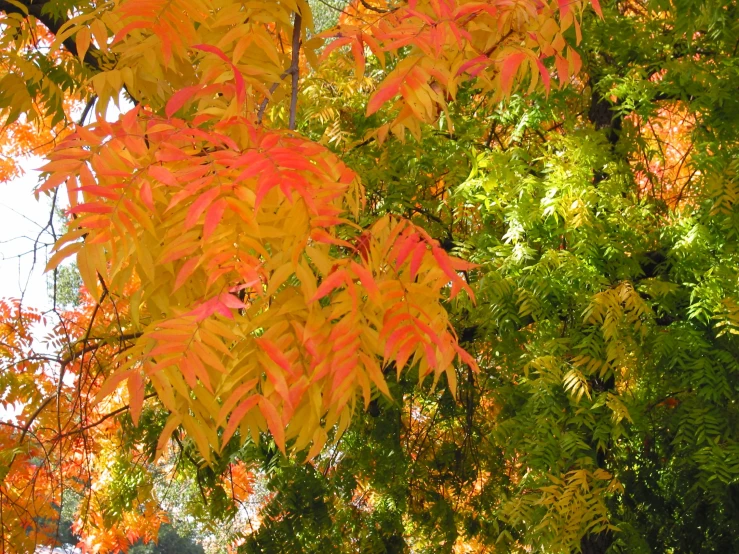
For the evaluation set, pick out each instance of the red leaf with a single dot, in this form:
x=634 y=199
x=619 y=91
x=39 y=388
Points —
x=368 y=281
x=186 y=271
x=509 y=69
x=236 y=416
x=179 y=98
x=319 y=235
x=597 y=8
x=445 y=264
x=479 y=63
x=393 y=339
x=466 y=358
x=135 y=396
x=92 y=208
x=405 y=351
x=333 y=281
x=200 y=205
x=429 y=332
x=213 y=217
x=163 y=175
x=230 y=301
x=393 y=322
x=405 y=249
x=146 y=196
x=387 y=90
x=232 y=400
x=430 y=355
x=417 y=258
x=545 y=77
x=238 y=77
x=275 y=354
x=213 y=50
x=564 y=7
x=333 y=45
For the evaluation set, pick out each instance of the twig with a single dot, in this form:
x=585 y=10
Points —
x=263 y=105
x=295 y=69
x=35 y=414
x=373 y=8
x=99 y=421
x=86 y=111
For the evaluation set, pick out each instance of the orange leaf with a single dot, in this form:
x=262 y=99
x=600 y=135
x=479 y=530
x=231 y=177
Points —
x=388 y=89
x=368 y=281
x=232 y=400
x=163 y=175
x=173 y=421
x=110 y=384
x=236 y=416
x=563 y=69
x=445 y=264
x=187 y=269
x=509 y=69
x=274 y=422
x=146 y=195
x=275 y=354
x=135 y=396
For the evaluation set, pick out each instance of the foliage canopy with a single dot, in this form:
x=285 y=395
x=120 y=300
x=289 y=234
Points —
x=424 y=276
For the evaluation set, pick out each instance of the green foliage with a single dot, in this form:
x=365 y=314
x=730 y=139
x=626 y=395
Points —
x=63 y=286
x=604 y=418
x=169 y=542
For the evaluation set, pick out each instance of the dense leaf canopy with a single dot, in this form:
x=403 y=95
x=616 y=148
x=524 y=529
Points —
x=376 y=276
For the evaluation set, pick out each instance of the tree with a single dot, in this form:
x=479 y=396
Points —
x=261 y=253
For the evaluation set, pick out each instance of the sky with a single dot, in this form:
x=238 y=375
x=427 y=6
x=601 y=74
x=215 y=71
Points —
x=24 y=247
x=26 y=243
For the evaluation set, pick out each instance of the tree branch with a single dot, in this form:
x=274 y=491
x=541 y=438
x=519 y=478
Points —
x=36 y=9
x=99 y=421
x=295 y=69
x=373 y=8
x=27 y=427
x=272 y=89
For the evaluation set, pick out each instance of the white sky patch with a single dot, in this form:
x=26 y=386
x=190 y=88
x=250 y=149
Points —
x=26 y=242
x=24 y=245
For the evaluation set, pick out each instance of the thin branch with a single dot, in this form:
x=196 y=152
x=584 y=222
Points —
x=295 y=69
x=272 y=89
x=86 y=111
x=33 y=417
x=373 y=8
x=99 y=421
x=93 y=347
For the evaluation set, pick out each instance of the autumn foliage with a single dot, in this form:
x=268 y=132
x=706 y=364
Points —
x=234 y=280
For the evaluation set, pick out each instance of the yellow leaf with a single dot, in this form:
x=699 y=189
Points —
x=82 y=40
x=173 y=421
